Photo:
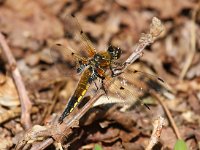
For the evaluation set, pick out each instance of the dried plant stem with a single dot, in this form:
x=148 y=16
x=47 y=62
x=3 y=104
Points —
x=169 y=115
x=158 y=125
x=15 y=112
x=24 y=99
x=43 y=144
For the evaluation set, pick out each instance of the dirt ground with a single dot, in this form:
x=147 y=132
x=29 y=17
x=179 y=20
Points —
x=31 y=27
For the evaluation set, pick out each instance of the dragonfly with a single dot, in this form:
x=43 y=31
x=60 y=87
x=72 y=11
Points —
x=83 y=59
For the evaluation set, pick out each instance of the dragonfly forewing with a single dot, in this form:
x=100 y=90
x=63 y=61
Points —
x=72 y=58
x=66 y=60
x=78 y=38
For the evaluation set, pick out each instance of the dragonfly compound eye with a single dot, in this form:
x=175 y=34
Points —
x=115 y=52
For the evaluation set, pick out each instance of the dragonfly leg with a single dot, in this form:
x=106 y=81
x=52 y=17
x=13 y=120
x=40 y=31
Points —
x=79 y=70
x=96 y=85
x=147 y=106
x=115 y=71
x=103 y=88
x=92 y=78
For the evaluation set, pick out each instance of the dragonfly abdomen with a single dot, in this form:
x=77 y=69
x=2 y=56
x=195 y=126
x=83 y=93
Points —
x=78 y=95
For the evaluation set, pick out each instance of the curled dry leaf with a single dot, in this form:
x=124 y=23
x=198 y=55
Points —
x=5 y=138
x=130 y=4
x=8 y=93
x=53 y=6
x=193 y=71
x=28 y=34
x=168 y=138
x=169 y=8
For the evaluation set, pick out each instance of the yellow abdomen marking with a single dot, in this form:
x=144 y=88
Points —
x=79 y=98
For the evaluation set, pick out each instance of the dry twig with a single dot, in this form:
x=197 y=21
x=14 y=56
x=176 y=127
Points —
x=43 y=145
x=24 y=99
x=169 y=115
x=157 y=125
x=15 y=112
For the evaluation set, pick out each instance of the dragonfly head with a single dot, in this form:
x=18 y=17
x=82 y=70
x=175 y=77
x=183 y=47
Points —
x=115 y=52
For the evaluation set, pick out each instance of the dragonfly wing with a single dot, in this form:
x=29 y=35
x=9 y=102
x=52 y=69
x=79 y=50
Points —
x=77 y=37
x=145 y=82
x=67 y=61
x=132 y=86
x=72 y=58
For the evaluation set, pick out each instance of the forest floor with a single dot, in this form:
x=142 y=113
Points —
x=31 y=27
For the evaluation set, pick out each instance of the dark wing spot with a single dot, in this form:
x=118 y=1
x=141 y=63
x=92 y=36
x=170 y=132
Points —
x=69 y=35
x=142 y=78
x=58 y=44
x=161 y=80
x=80 y=62
x=135 y=71
x=147 y=106
x=81 y=31
x=154 y=85
x=72 y=15
x=121 y=88
x=72 y=53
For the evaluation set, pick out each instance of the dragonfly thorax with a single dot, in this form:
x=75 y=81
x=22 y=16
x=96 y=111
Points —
x=97 y=58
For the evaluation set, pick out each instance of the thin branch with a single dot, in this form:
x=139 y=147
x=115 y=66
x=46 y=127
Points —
x=24 y=99
x=15 y=112
x=157 y=125
x=43 y=144
x=169 y=115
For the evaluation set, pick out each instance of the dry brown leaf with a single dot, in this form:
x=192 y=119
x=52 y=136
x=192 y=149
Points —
x=28 y=34
x=8 y=93
x=168 y=8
